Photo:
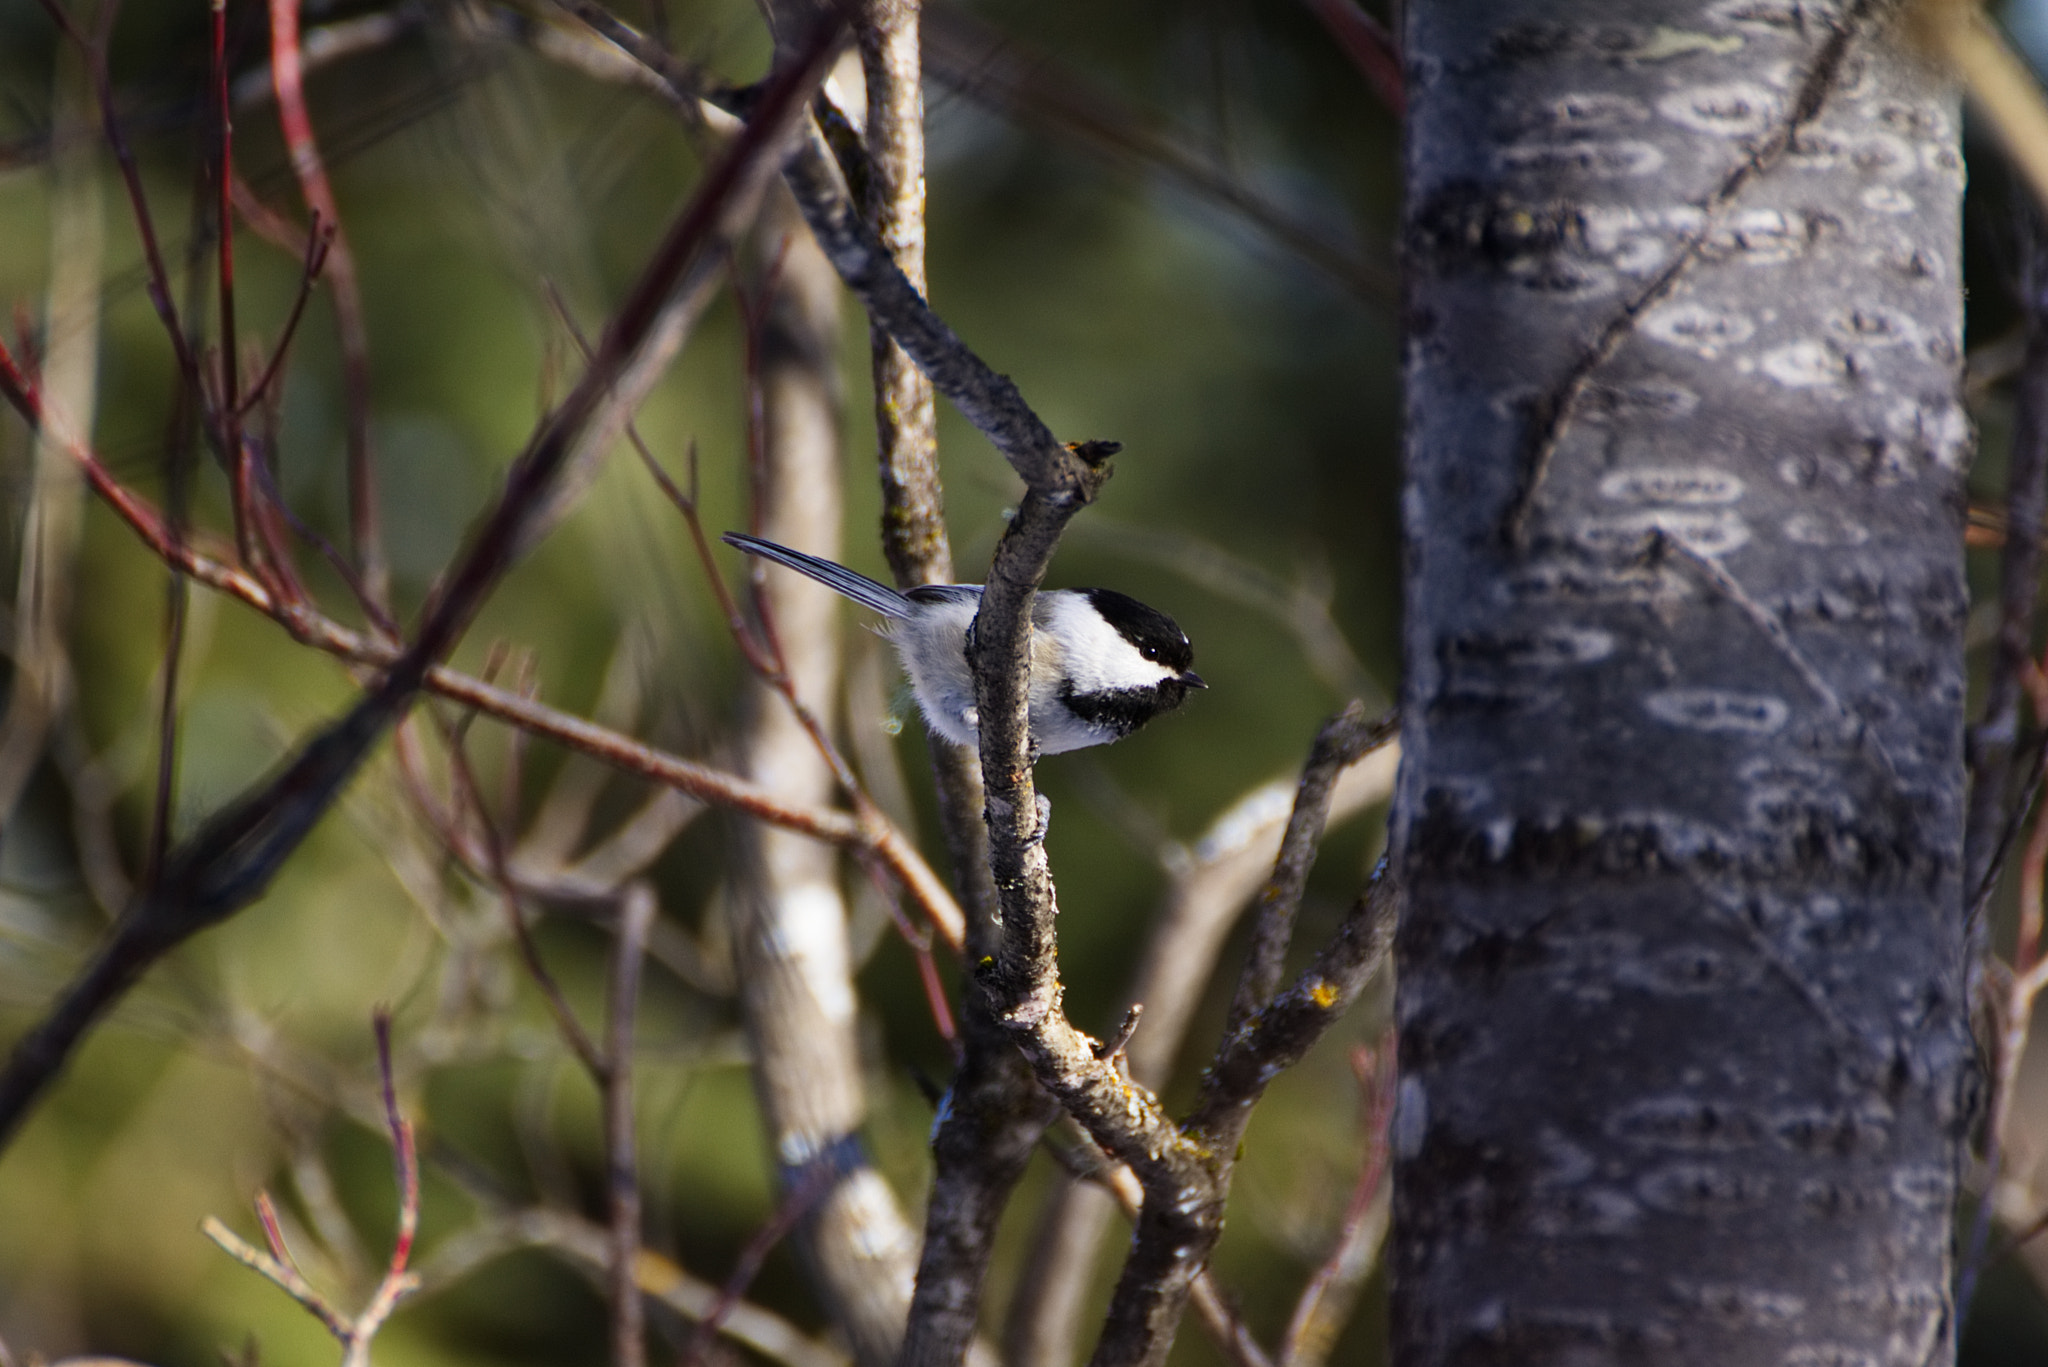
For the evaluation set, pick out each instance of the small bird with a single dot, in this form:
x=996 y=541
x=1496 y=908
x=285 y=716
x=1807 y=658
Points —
x=1102 y=664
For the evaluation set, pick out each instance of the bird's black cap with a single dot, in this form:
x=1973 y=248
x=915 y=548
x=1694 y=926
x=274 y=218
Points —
x=1155 y=635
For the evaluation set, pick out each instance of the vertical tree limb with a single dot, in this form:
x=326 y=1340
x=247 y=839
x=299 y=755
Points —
x=287 y=73
x=790 y=949
x=41 y=685
x=906 y=420
x=629 y=951
x=994 y=1112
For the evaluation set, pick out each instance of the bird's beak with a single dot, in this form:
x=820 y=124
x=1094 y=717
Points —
x=1192 y=679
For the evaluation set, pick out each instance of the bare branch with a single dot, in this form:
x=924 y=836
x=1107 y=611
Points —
x=636 y=922
x=1283 y=1030
x=233 y=856
x=356 y=1332
x=1209 y=884
x=1344 y=740
x=288 y=81
x=786 y=909
x=657 y=1277
x=42 y=682
x=988 y=400
x=1325 y=1303
x=906 y=421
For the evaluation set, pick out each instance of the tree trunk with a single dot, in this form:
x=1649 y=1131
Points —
x=1683 y=1037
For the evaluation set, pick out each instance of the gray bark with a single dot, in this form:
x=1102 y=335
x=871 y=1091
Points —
x=789 y=935
x=1683 y=1041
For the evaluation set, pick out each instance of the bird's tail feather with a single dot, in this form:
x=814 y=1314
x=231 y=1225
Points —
x=861 y=589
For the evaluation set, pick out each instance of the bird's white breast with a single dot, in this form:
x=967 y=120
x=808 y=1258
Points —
x=1071 y=644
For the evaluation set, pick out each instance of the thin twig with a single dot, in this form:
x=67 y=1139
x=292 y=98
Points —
x=318 y=241
x=355 y=1333
x=240 y=456
x=497 y=869
x=157 y=277
x=399 y=1279
x=636 y=922
x=233 y=856
x=279 y=1272
x=1344 y=739
x=658 y=1278
x=995 y=69
x=818 y=1180
x=288 y=80
x=1325 y=1302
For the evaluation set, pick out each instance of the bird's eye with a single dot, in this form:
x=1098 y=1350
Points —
x=1150 y=652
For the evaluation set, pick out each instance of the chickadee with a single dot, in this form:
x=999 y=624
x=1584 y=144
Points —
x=1102 y=664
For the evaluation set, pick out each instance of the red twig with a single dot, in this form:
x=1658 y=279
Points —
x=177 y=603
x=287 y=74
x=920 y=941
x=273 y=1229
x=601 y=743
x=238 y=453
x=1375 y=1070
x=336 y=561
x=398 y=1281
x=405 y=1157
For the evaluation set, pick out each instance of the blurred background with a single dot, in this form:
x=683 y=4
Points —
x=1247 y=362
x=1171 y=224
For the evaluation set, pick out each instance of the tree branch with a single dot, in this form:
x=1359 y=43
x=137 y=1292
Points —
x=232 y=858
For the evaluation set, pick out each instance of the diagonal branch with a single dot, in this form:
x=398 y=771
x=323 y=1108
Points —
x=1343 y=741
x=231 y=859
